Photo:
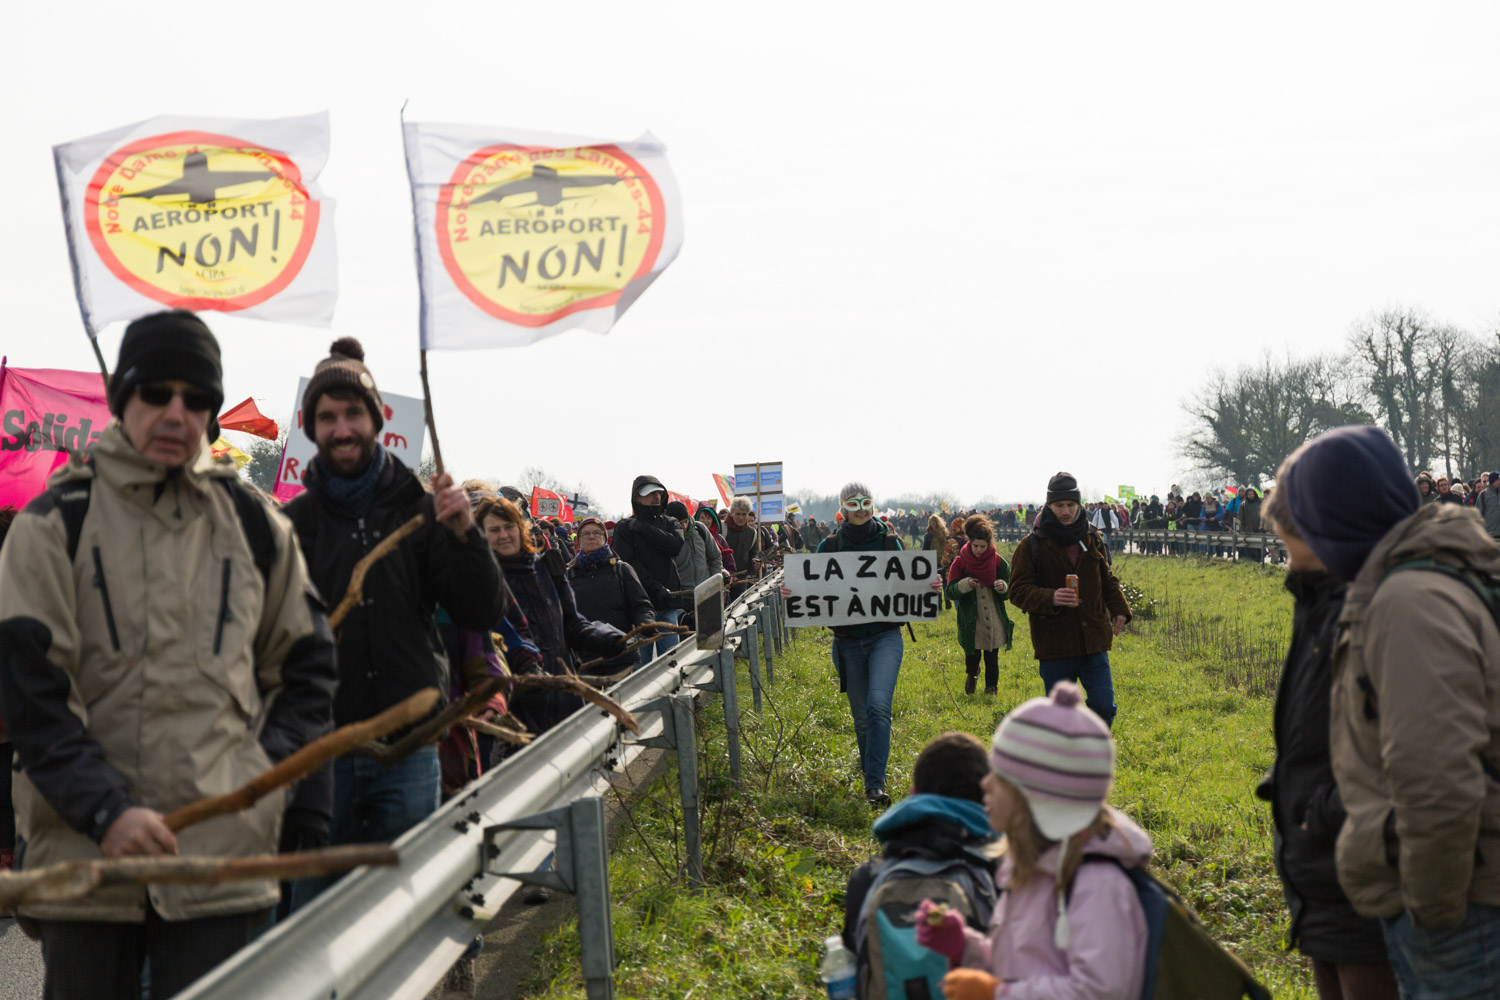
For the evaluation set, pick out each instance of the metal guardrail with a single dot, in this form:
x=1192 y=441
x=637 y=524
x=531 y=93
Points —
x=1231 y=545
x=394 y=932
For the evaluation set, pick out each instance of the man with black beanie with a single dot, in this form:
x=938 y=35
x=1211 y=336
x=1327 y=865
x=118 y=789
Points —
x=1072 y=627
x=358 y=494
x=160 y=643
x=1413 y=735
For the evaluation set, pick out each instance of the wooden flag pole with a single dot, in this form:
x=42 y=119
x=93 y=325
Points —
x=437 y=449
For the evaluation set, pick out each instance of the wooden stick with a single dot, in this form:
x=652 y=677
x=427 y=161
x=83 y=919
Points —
x=602 y=681
x=437 y=449
x=76 y=879
x=544 y=682
x=657 y=627
x=356 y=590
x=305 y=761
x=393 y=753
x=499 y=732
x=630 y=648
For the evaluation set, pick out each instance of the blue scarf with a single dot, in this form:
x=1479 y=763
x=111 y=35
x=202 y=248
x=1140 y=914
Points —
x=354 y=496
x=587 y=562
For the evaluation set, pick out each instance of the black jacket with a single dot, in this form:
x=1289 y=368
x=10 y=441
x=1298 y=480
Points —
x=649 y=542
x=388 y=646
x=611 y=593
x=1301 y=789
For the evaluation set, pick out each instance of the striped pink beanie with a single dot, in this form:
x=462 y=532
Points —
x=1060 y=755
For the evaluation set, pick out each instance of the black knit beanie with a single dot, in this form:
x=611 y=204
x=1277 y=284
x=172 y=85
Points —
x=344 y=368
x=1063 y=487
x=167 y=345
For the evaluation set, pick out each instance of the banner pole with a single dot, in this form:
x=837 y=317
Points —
x=103 y=368
x=437 y=450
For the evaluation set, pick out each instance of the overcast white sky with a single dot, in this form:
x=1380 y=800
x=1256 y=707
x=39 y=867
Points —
x=942 y=246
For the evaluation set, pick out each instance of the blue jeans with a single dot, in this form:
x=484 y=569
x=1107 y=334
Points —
x=870 y=669
x=1092 y=672
x=1446 y=965
x=375 y=804
x=668 y=639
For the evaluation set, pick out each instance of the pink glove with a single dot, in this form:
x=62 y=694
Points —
x=941 y=930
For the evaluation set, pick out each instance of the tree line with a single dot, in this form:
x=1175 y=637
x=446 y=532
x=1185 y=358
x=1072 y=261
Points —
x=1431 y=385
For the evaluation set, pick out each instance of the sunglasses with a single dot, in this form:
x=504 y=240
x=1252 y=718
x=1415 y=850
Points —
x=161 y=395
x=859 y=503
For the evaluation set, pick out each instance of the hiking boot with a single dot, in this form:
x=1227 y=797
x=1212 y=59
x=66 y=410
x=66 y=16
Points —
x=970 y=682
x=536 y=895
x=877 y=797
x=990 y=692
x=459 y=983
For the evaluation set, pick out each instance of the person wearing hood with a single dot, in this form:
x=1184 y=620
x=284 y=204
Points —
x=1072 y=630
x=649 y=540
x=1347 y=951
x=1487 y=503
x=942 y=819
x=977 y=582
x=1062 y=927
x=709 y=518
x=1425 y=488
x=1413 y=734
x=699 y=557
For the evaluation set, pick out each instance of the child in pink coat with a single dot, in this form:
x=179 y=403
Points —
x=1052 y=762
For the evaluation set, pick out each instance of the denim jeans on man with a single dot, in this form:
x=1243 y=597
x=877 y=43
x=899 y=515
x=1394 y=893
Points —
x=1092 y=672
x=375 y=804
x=667 y=640
x=1457 y=964
x=870 y=668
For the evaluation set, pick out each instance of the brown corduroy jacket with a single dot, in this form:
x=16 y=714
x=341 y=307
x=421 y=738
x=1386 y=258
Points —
x=1058 y=632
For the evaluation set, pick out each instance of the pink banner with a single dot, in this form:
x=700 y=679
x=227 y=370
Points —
x=45 y=414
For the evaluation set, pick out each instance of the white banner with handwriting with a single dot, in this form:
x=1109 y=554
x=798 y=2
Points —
x=855 y=588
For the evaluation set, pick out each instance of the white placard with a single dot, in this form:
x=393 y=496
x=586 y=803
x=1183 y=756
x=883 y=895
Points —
x=855 y=588
x=405 y=424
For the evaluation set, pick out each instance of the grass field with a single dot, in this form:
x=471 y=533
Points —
x=1194 y=736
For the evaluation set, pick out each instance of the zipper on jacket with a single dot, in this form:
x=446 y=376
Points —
x=225 y=615
x=109 y=611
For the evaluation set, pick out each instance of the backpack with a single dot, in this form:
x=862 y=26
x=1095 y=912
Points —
x=892 y=966
x=1183 y=961
x=255 y=521
x=1485 y=586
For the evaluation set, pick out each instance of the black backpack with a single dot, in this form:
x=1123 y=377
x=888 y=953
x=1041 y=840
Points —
x=255 y=521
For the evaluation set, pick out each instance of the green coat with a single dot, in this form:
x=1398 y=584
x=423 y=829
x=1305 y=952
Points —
x=967 y=606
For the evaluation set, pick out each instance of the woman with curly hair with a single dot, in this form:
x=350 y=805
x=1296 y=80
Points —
x=978 y=580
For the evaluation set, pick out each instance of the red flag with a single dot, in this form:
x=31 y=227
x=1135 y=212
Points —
x=48 y=414
x=545 y=503
x=687 y=501
x=247 y=418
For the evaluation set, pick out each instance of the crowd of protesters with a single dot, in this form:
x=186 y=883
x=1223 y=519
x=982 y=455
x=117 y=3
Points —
x=164 y=638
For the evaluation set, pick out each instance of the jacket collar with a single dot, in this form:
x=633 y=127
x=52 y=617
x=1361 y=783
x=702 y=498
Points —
x=915 y=809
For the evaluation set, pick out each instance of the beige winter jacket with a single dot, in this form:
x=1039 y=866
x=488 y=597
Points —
x=156 y=669
x=1415 y=726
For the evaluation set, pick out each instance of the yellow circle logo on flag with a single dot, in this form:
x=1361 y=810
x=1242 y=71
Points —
x=531 y=235
x=201 y=221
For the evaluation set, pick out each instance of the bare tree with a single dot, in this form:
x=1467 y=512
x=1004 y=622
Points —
x=1394 y=351
x=265 y=462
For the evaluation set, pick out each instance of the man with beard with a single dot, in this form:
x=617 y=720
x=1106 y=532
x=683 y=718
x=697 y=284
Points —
x=1072 y=625
x=357 y=494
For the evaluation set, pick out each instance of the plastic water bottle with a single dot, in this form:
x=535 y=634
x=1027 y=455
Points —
x=838 y=970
